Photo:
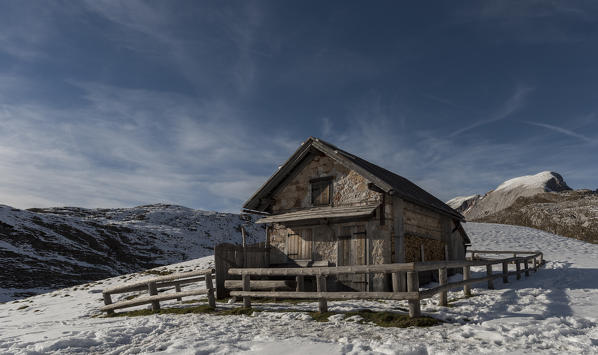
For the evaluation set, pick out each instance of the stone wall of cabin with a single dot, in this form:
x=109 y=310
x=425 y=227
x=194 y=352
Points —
x=348 y=187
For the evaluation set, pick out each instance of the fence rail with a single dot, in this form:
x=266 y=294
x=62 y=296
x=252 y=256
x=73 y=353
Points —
x=177 y=280
x=413 y=293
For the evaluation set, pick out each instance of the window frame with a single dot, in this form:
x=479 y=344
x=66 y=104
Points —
x=321 y=181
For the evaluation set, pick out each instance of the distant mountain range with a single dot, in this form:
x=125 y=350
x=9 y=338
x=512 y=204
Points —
x=49 y=248
x=542 y=201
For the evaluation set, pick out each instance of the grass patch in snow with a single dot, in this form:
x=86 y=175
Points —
x=382 y=319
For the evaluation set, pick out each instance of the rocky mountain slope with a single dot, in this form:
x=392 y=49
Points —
x=542 y=201
x=571 y=214
x=476 y=206
x=50 y=248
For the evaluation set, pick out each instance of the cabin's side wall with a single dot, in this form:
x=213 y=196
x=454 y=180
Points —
x=424 y=227
x=456 y=243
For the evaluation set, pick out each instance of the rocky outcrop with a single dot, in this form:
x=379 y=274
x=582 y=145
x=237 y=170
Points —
x=571 y=214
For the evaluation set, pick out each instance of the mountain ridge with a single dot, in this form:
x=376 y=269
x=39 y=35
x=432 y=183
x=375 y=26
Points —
x=49 y=248
x=543 y=201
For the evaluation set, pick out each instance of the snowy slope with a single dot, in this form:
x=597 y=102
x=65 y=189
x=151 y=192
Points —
x=46 y=249
x=476 y=206
x=553 y=311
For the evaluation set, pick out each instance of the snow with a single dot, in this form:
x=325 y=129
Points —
x=456 y=202
x=553 y=311
x=538 y=181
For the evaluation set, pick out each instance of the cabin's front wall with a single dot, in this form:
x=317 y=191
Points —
x=325 y=241
x=348 y=187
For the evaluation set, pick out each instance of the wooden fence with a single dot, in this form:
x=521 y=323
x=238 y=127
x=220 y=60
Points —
x=152 y=285
x=228 y=256
x=413 y=294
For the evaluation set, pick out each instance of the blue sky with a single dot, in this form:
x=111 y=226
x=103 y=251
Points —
x=109 y=104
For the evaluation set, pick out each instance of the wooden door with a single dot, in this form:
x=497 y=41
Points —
x=352 y=251
x=299 y=244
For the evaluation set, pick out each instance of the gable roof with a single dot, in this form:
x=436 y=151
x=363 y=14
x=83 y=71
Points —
x=382 y=178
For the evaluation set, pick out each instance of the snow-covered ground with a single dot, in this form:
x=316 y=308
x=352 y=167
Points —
x=553 y=311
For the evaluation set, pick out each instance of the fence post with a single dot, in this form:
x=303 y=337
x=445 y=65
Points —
x=153 y=290
x=413 y=286
x=466 y=276
x=395 y=282
x=505 y=272
x=489 y=273
x=321 y=287
x=246 y=287
x=442 y=279
x=300 y=283
x=177 y=288
x=107 y=301
x=210 y=288
x=526 y=267
x=535 y=264
x=518 y=268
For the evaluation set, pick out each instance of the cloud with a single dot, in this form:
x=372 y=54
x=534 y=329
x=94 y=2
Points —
x=128 y=147
x=536 y=21
x=514 y=103
x=447 y=167
x=564 y=131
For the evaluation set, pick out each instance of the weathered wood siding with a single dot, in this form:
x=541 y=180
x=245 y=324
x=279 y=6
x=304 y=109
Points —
x=423 y=227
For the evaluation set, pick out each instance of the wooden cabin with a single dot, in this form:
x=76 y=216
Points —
x=326 y=206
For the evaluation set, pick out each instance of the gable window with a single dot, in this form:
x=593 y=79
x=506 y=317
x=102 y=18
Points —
x=321 y=191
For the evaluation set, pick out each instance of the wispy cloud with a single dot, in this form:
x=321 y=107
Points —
x=564 y=131
x=129 y=147
x=514 y=103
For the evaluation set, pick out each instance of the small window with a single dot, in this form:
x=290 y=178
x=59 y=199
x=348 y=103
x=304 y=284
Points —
x=321 y=191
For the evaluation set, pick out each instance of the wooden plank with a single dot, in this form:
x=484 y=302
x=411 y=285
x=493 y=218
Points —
x=300 y=280
x=314 y=271
x=466 y=278
x=246 y=287
x=177 y=288
x=108 y=301
x=210 y=288
x=442 y=280
x=505 y=272
x=395 y=282
x=504 y=251
x=153 y=291
x=259 y=284
x=146 y=300
x=329 y=295
x=413 y=287
x=429 y=293
x=489 y=273
x=321 y=288
x=143 y=284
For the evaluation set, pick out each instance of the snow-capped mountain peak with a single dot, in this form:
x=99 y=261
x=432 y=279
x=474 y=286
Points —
x=546 y=180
